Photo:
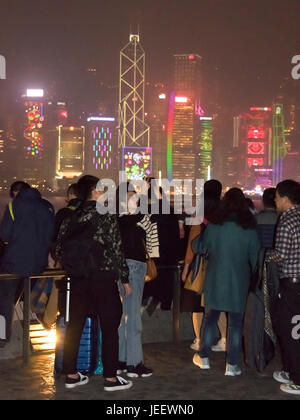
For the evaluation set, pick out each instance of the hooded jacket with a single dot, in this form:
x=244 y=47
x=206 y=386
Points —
x=28 y=231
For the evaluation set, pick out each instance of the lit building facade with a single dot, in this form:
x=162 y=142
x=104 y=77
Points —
x=205 y=144
x=157 y=119
x=32 y=154
x=2 y=156
x=70 y=152
x=101 y=147
x=253 y=138
x=183 y=119
x=133 y=131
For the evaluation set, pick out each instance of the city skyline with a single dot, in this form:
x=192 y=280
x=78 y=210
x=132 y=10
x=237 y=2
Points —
x=244 y=54
x=247 y=48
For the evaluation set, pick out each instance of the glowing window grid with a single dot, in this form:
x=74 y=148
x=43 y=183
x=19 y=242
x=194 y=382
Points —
x=101 y=148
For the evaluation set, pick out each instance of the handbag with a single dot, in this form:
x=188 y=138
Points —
x=151 y=272
x=196 y=276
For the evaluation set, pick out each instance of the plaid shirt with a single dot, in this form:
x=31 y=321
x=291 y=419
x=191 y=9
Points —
x=287 y=244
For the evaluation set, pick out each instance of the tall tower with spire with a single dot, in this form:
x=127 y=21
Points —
x=134 y=133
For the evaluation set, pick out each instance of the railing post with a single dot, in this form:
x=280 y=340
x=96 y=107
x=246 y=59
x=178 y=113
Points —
x=26 y=320
x=176 y=304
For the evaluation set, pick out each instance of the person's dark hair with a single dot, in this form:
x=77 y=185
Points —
x=290 y=189
x=73 y=189
x=212 y=197
x=85 y=186
x=234 y=203
x=269 y=198
x=250 y=203
x=17 y=187
x=213 y=188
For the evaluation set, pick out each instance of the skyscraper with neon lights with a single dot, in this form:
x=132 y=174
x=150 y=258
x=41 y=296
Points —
x=133 y=131
x=33 y=133
x=254 y=140
x=183 y=120
x=70 y=152
x=101 y=147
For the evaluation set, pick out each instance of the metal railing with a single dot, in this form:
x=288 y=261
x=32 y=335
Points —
x=59 y=274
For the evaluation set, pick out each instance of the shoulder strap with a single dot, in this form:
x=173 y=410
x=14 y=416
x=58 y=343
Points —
x=73 y=208
x=10 y=207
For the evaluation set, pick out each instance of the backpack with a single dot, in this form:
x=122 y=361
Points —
x=81 y=254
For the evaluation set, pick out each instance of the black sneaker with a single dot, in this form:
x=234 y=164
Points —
x=139 y=370
x=120 y=384
x=73 y=383
x=122 y=368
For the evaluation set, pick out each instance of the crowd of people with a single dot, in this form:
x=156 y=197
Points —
x=106 y=255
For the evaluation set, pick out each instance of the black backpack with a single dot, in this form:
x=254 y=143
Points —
x=81 y=254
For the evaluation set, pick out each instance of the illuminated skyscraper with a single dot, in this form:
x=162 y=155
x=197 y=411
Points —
x=133 y=132
x=2 y=153
x=33 y=144
x=183 y=121
x=101 y=147
x=254 y=140
x=70 y=154
x=156 y=117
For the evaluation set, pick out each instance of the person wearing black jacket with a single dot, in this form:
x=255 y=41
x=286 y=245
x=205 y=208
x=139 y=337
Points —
x=27 y=229
x=73 y=202
x=97 y=292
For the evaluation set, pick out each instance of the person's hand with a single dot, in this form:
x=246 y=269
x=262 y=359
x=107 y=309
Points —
x=185 y=272
x=127 y=288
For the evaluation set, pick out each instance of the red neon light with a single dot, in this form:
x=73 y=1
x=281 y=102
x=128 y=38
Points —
x=191 y=57
x=255 y=162
x=256 y=148
x=257 y=108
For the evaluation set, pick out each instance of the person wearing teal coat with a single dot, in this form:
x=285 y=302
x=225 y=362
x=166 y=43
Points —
x=232 y=248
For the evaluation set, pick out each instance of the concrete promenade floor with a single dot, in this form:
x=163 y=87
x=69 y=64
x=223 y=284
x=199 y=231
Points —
x=175 y=378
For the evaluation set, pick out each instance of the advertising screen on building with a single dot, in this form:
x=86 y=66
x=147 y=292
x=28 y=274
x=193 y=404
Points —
x=34 y=144
x=137 y=162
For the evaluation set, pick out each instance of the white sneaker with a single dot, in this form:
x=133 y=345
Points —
x=202 y=363
x=220 y=346
x=290 y=388
x=196 y=344
x=282 y=377
x=73 y=383
x=232 y=370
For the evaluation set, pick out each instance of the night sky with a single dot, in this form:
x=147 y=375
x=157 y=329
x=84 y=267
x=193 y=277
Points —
x=251 y=43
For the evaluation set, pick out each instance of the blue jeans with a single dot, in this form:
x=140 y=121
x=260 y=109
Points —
x=130 y=330
x=234 y=334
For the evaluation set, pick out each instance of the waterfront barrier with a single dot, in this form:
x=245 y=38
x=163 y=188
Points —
x=60 y=274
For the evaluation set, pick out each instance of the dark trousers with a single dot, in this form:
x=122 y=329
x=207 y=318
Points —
x=161 y=288
x=288 y=329
x=8 y=296
x=98 y=295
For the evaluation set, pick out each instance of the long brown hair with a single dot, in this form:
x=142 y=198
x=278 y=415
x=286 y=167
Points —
x=234 y=205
